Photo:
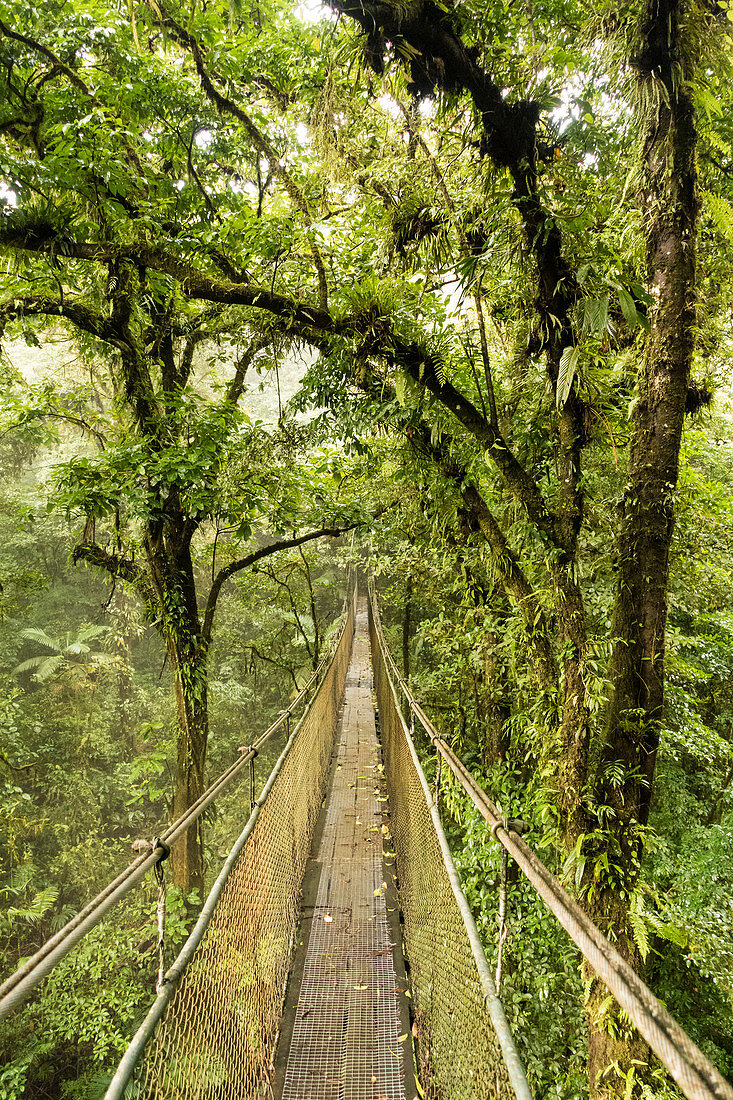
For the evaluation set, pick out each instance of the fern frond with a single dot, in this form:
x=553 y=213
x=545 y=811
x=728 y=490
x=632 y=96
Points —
x=35 y=634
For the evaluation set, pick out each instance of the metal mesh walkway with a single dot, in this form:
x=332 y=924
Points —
x=346 y=1043
x=213 y=1029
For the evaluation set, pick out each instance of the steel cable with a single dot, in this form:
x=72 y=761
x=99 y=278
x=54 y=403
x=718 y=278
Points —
x=16 y=989
x=695 y=1075
x=216 y=1018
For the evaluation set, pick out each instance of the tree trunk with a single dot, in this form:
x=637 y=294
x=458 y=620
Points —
x=172 y=572
x=571 y=770
x=617 y=1054
x=669 y=205
x=193 y=727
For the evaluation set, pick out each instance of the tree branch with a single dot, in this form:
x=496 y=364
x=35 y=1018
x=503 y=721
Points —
x=225 y=105
x=74 y=79
x=293 y=607
x=116 y=566
x=478 y=304
x=195 y=284
x=511 y=574
x=57 y=63
x=263 y=552
x=437 y=57
x=81 y=316
x=422 y=369
x=271 y=661
x=309 y=322
x=236 y=386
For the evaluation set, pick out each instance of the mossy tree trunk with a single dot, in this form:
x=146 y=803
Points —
x=669 y=205
x=170 y=566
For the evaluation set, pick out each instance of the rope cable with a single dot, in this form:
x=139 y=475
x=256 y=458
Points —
x=159 y=874
x=502 y=916
x=16 y=989
x=184 y=1018
x=696 y=1076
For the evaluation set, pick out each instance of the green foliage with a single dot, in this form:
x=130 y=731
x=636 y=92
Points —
x=129 y=426
x=112 y=975
x=63 y=653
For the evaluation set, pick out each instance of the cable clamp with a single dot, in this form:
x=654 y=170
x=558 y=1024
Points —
x=158 y=842
x=246 y=749
x=143 y=845
x=510 y=824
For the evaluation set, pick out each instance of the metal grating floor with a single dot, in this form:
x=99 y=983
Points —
x=346 y=1043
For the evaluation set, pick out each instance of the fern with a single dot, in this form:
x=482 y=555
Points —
x=718 y=142
x=34 y=911
x=639 y=921
x=721 y=211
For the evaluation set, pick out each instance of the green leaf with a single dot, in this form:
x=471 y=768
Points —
x=628 y=307
x=566 y=374
x=595 y=314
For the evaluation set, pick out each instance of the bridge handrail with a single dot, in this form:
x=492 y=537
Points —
x=16 y=989
x=171 y=979
x=492 y=1003
x=696 y=1076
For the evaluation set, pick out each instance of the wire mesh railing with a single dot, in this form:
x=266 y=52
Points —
x=464 y=1045
x=692 y=1071
x=18 y=986
x=212 y=1030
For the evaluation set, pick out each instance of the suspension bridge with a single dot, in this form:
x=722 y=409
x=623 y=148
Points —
x=293 y=982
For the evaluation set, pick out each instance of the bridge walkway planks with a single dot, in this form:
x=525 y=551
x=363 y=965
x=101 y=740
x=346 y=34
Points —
x=346 y=1021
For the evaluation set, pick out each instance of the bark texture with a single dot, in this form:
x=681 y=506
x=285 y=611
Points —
x=168 y=551
x=669 y=205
